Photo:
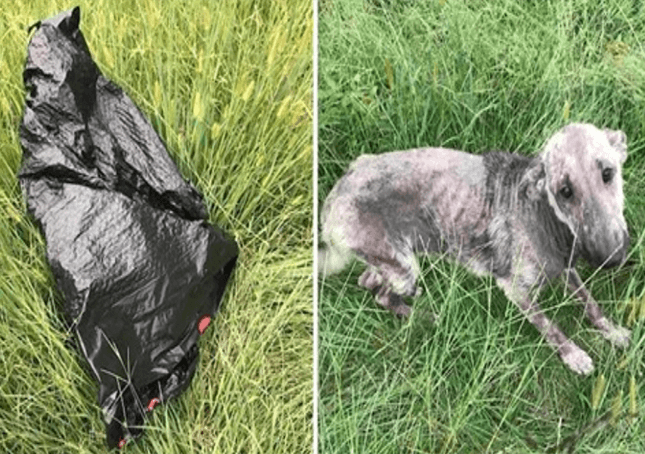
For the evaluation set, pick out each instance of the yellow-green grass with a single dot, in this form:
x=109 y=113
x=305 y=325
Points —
x=481 y=75
x=228 y=85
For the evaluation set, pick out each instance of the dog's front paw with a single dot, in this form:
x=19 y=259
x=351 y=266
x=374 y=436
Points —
x=576 y=359
x=618 y=336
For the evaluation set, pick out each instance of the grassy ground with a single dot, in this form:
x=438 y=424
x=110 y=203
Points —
x=228 y=84
x=478 y=76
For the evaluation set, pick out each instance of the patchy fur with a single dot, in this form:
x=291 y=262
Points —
x=522 y=220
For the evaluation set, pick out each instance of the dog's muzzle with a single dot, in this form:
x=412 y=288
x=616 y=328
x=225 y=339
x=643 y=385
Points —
x=607 y=252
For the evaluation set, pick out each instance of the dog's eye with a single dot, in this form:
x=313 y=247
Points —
x=566 y=192
x=607 y=175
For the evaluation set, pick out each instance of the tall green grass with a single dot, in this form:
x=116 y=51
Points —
x=478 y=76
x=228 y=85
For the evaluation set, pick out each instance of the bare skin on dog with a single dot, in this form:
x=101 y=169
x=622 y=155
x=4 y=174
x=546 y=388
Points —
x=523 y=220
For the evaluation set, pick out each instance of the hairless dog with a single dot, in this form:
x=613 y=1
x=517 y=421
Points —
x=522 y=220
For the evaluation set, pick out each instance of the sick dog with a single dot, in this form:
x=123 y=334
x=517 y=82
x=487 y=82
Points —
x=523 y=220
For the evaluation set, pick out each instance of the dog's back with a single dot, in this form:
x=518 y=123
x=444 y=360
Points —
x=416 y=200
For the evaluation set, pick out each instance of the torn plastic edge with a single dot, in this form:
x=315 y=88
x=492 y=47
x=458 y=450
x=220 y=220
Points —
x=33 y=26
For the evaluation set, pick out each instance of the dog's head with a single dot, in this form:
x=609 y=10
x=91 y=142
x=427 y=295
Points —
x=59 y=64
x=581 y=176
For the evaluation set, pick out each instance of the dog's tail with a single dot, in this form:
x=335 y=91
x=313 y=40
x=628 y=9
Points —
x=332 y=260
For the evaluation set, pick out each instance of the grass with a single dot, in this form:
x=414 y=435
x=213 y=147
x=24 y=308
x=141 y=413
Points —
x=478 y=76
x=228 y=85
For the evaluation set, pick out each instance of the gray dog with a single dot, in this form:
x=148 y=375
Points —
x=523 y=220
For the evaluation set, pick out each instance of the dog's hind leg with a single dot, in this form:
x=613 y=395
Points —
x=389 y=300
x=617 y=335
x=370 y=279
x=390 y=279
x=573 y=356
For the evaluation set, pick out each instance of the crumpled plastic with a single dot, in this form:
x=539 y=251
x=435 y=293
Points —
x=140 y=269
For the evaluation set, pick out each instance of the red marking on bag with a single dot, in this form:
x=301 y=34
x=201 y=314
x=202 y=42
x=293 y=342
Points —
x=203 y=323
x=153 y=403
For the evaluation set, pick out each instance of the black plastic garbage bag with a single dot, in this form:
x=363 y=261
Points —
x=140 y=270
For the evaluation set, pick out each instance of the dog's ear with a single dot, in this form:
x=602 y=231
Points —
x=618 y=140
x=534 y=180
